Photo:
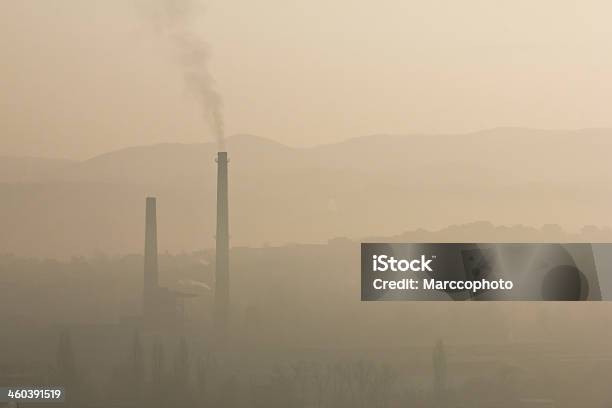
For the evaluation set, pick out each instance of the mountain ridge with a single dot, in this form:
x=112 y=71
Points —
x=376 y=186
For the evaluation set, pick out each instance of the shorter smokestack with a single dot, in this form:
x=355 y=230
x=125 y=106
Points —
x=221 y=306
x=151 y=271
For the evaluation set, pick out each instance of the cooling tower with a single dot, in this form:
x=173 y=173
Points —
x=221 y=306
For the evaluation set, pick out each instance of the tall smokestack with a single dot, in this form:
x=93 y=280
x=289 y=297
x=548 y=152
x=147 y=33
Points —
x=151 y=270
x=221 y=307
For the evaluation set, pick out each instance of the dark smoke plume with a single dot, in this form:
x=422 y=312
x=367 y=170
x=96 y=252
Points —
x=174 y=20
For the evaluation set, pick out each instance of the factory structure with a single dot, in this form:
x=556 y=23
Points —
x=163 y=308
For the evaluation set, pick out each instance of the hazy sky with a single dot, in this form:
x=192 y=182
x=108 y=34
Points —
x=78 y=78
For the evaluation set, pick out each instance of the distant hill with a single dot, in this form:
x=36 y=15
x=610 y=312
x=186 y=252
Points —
x=367 y=186
x=515 y=154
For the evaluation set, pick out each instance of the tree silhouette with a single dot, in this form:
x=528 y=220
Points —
x=138 y=365
x=440 y=373
x=66 y=366
x=158 y=392
x=182 y=389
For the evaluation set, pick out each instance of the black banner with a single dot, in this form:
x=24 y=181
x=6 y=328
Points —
x=481 y=271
